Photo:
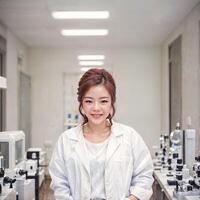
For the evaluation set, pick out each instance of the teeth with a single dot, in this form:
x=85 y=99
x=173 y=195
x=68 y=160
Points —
x=96 y=115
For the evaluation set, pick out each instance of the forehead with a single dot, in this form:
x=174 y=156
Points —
x=97 y=91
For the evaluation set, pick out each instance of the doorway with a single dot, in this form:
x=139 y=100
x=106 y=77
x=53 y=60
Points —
x=175 y=83
x=25 y=107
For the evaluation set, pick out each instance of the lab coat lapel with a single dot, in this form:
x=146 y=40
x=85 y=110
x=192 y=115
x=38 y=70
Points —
x=83 y=155
x=80 y=148
x=114 y=143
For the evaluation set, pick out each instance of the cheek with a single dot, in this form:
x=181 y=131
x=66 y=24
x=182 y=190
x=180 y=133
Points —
x=109 y=108
x=86 y=107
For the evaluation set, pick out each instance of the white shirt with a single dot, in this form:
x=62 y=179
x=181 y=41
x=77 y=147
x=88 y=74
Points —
x=97 y=157
x=128 y=166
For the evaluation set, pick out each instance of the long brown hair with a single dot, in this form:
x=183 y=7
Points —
x=92 y=78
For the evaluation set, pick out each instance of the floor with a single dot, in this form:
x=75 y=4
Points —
x=45 y=192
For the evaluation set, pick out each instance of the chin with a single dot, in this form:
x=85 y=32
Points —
x=97 y=121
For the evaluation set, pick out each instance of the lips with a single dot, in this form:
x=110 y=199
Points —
x=96 y=116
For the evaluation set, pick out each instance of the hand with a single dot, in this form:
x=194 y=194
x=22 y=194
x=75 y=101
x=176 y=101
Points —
x=132 y=197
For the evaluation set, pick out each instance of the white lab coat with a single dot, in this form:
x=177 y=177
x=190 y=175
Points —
x=128 y=166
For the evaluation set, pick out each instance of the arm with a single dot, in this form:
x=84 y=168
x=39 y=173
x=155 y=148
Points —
x=142 y=179
x=57 y=171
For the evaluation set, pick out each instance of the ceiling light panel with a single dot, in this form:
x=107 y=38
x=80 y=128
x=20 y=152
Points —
x=91 y=63
x=91 y=57
x=80 y=14
x=84 y=32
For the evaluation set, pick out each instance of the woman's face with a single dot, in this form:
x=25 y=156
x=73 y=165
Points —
x=97 y=104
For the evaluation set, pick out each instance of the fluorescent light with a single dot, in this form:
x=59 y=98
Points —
x=91 y=57
x=84 y=69
x=84 y=32
x=80 y=14
x=91 y=63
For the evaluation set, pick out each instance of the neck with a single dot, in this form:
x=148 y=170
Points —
x=98 y=129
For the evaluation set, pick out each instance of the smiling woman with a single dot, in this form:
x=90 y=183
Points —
x=100 y=159
x=97 y=84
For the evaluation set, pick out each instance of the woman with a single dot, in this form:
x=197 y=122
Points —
x=100 y=159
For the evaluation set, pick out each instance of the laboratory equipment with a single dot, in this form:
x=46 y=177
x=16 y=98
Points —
x=183 y=143
x=160 y=161
x=8 y=180
x=196 y=172
x=2 y=173
x=176 y=138
x=36 y=154
x=186 y=172
x=12 y=147
x=178 y=157
x=27 y=179
x=189 y=147
x=189 y=186
x=25 y=185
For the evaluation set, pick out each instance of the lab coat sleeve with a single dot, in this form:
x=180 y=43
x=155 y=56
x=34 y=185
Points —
x=142 y=179
x=57 y=171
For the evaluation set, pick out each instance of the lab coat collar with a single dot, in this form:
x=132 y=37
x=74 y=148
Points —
x=115 y=140
x=80 y=148
x=78 y=133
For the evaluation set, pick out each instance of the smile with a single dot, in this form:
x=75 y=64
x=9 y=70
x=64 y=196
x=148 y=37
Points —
x=96 y=115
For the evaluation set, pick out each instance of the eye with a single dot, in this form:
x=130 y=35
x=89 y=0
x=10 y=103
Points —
x=88 y=101
x=104 y=101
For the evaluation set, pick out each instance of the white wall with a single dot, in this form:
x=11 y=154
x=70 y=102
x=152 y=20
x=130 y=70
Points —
x=189 y=29
x=2 y=30
x=137 y=73
x=14 y=47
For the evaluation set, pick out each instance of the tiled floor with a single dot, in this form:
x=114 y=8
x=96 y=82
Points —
x=45 y=192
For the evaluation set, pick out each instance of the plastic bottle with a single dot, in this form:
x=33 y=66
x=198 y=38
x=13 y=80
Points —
x=185 y=172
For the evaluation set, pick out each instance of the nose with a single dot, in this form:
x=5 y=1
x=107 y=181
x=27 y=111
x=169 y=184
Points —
x=96 y=105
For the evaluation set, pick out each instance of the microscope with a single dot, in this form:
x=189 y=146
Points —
x=160 y=163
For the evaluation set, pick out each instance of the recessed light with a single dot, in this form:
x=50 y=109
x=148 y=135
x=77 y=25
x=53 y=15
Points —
x=91 y=57
x=84 y=32
x=91 y=63
x=80 y=14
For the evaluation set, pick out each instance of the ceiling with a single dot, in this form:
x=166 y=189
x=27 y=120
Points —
x=131 y=22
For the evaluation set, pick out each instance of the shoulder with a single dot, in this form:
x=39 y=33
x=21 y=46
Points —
x=124 y=129
x=66 y=140
x=129 y=133
x=70 y=134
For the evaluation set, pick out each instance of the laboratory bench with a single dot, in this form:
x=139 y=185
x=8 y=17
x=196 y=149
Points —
x=163 y=191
